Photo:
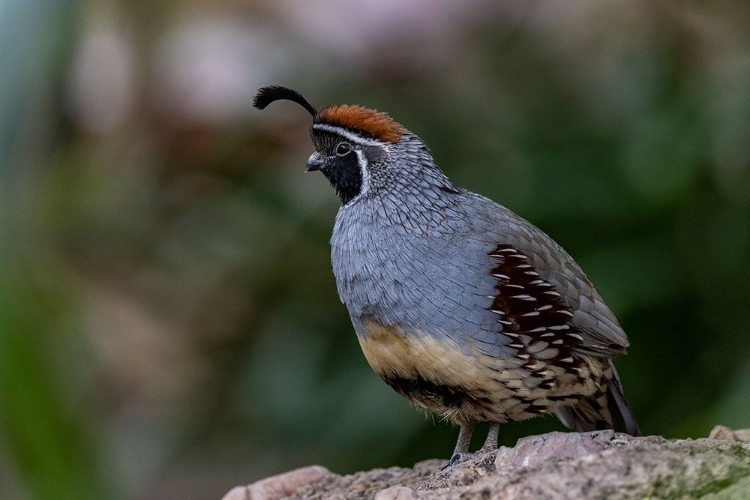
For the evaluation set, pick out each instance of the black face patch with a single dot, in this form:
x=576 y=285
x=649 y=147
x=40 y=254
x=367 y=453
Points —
x=344 y=175
x=341 y=170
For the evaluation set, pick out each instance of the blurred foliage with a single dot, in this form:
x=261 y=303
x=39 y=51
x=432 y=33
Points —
x=169 y=325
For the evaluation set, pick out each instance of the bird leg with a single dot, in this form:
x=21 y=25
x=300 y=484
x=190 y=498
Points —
x=464 y=438
x=462 y=445
x=490 y=443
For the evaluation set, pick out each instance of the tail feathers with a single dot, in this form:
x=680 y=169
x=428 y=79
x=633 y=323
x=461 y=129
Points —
x=623 y=419
x=604 y=411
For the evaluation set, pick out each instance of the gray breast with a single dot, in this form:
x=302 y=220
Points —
x=428 y=274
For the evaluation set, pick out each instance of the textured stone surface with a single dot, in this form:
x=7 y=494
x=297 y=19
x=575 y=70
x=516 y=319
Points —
x=282 y=485
x=594 y=465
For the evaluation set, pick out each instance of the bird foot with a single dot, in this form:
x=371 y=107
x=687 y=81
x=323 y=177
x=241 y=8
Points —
x=457 y=459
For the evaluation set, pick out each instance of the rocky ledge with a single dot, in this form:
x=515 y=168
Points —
x=593 y=465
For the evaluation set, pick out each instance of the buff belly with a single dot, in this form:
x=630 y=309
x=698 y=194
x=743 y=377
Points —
x=440 y=377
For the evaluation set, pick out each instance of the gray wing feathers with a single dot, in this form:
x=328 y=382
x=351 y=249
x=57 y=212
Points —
x=601 y=332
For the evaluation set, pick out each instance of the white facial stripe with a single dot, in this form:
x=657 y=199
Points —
x=348 y=135
x=365 y=174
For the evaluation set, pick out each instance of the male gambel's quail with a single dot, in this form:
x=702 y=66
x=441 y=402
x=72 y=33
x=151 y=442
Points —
x=460 y=305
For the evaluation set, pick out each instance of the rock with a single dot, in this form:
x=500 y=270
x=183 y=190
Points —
x=555 y=446
x=593 y=465
x=724 y=432
x=396 y=493
x=280 y=486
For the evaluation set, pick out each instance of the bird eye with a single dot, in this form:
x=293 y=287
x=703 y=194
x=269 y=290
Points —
x=343 y=149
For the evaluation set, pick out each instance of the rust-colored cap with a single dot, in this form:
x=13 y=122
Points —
x=369 y=122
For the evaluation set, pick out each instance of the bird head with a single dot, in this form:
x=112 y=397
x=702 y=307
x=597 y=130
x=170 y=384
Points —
x=361 y=151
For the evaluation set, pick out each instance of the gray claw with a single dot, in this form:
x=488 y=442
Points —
x=456 y=459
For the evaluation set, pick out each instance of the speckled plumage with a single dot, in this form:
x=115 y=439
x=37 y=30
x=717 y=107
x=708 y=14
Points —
x=460 y=305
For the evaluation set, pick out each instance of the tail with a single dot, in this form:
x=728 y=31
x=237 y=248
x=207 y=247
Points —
x=602 y=411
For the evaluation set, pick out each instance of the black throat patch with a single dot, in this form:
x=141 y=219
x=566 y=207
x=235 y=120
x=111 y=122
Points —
x=342 y=171
x=345 y=176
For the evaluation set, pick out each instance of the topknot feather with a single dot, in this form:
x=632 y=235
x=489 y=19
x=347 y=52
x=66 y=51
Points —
x=267 y=95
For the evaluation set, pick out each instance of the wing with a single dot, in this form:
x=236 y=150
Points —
x=541 y=293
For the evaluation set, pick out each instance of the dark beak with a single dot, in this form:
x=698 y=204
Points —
x=315 y=162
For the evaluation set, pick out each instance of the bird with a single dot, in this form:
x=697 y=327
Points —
x=461 y=306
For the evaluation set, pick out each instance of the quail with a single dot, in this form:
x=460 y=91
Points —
x=460 y=305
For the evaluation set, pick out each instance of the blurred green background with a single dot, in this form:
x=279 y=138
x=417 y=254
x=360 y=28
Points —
x=169 y=326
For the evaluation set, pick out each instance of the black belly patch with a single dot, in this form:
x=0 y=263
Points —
x=433 y=396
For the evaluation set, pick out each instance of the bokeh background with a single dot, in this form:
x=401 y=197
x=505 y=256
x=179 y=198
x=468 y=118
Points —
x=169 y=326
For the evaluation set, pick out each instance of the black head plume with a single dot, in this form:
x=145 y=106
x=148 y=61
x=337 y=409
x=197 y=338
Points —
x=271 y=93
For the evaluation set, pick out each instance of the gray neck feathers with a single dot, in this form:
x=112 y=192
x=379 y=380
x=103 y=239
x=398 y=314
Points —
x=407 y=186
